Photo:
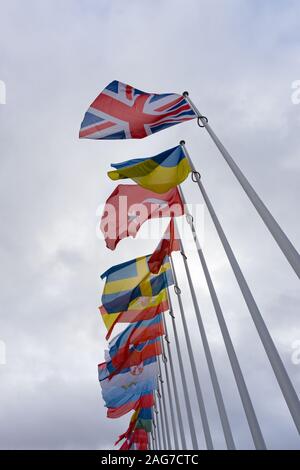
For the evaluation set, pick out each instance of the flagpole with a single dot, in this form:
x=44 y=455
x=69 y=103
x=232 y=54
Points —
x=236 y=369
x=163 y=429
x=160 y=378
x=153 y=440
x=156 y=426
x=211 y=367
x=183 y=378
x=149 y=437
x=276 y=231
x=199 y=394
x=283 y=379
x=175 y=390
x=172 y=411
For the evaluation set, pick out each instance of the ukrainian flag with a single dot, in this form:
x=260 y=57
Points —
x=159 y=173
x=128 y=281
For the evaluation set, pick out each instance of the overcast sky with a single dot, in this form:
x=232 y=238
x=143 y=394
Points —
x=238 y=59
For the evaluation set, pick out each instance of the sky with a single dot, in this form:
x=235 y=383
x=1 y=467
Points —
x=238 y=59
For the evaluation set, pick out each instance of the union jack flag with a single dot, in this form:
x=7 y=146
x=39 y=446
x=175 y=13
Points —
x=123 y=112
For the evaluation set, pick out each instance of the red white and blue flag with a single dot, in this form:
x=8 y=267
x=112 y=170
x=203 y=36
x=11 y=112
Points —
x=123 y=112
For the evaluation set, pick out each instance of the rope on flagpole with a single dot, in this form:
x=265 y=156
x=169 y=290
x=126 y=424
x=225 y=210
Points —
x=205 y=425
x=183 y=378
x=276 y=231
x=280 y=372
x=236 y=369
x=175 y=391
x=164 y=406
x=172 y=411
x=211 y=367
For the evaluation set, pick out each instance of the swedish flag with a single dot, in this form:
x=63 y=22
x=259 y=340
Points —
x=128 y=281
x=159 y=173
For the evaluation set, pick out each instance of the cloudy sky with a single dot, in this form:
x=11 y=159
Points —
x=238 y=59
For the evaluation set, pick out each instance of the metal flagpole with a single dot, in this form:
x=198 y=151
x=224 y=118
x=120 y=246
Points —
x=153 y=440
x=200 y=400
x=278 y=234
x=174 y=383
x=183 y=378
x=283 y=379
x=150 y=444
x=172 y=411
x=156 y=426
x=160 y=377
x=211 y=367
x=237 y=372
x=163 y=429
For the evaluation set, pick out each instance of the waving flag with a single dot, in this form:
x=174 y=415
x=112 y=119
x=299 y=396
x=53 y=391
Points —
x=168 y=243
x=130 y=385
x=132 y=279
x=129 y=206
x=144 y=419
x=131 y=357
x=159 y=173
x=142 y=308
x=135 y=334
x=136 y=343
x=123 y=112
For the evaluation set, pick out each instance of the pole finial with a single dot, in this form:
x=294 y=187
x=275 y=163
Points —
x=182 y=142
x=185 y=93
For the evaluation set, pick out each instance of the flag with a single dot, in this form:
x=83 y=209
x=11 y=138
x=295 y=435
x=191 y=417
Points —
x=123 y=112
x=159 y=173
x=144 y=419
x=141 y=308
x=132 y=279
x=128 y=433
x=124 y=409
x=140 y=438
x=135 y=334
x=136 y=342
x=146 y=400
x=129 y=385
x=132 y=357
x=168 y=243
x=130 y=205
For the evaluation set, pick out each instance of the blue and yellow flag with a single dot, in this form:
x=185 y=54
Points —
x=128 y=281
x=159 y=173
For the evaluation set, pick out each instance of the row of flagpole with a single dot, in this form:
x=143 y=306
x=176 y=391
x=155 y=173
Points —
x=168 y=428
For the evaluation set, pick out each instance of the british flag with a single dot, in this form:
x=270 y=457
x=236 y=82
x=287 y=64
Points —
x=123 y=112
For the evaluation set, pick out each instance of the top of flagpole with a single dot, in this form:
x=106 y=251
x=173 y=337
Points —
x=200 y=119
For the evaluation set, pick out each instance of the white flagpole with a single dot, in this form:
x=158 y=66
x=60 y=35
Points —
x=160 y=378
x=283 y=379
x=183 y=378
x=156 y=427
x=205 y=425
x=163 y=430
x=278 y=234
x=236 y=368
x=162 y=418
x=175 y=390
x=172 y=411
x=211 y=367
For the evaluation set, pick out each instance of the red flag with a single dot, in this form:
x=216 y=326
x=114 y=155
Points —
x=168 y=243
x=140 y=438
x=130 y=205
